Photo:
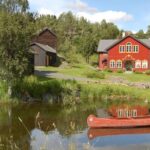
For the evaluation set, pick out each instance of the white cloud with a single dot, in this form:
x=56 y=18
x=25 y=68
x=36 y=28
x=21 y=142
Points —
x=110 y=16
x=78 y=5
x=81 y=9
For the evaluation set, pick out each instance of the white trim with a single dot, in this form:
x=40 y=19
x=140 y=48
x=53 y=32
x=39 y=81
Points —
x=112 y=64
x=138 y=64
x=135 y=49
x=118 y=64
x=129 y=47
x=121 y=48
x=144 y=64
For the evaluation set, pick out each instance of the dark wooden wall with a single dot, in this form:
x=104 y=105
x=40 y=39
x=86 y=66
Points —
x=47 y=38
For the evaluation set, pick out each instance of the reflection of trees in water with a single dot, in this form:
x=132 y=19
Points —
x=51 y=118
x=5 y=115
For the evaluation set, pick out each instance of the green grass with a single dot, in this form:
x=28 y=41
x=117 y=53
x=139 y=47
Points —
x=81 y=70
x=71 y=93
x=77 y=70
x=133 y=77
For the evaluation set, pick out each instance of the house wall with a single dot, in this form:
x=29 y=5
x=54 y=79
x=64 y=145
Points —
x=102 y=56
x=46 y=38
x=143 y=54
x=39 y=56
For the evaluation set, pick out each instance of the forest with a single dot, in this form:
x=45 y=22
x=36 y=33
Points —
x=77 y=37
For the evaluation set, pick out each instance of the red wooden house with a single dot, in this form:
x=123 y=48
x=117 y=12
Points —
x=128 y=53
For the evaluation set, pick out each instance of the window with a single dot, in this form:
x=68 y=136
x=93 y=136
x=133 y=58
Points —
x=119 y=64
x=120 y=113
x=134 y=113
x=135 y=48
x=138 y=64
x=112 y=64
x=144 y=64
x=128 y=47
x=121 y=48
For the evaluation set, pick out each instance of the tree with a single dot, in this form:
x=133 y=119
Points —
x=12 y=6
x=15 y=36
x=141 y=35
x=148 y=31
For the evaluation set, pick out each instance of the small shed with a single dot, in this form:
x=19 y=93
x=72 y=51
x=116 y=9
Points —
x=43 y=48
x=44 y=55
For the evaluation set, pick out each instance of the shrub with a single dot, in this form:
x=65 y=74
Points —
x=138 y=72
x=108 y=70
x=147 y=72
x=120 y=71
x=94 y=60
x=95 y=74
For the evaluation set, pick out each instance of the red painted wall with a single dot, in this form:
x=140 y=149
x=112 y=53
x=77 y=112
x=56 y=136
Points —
x=102 y=56
x=114 y=54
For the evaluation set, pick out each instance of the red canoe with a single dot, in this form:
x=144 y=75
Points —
x=94 y=122
x=94 y=132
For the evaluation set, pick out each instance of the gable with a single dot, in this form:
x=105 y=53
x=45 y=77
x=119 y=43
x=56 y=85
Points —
x=46 y=37
x=105 y=45
x=47 y=32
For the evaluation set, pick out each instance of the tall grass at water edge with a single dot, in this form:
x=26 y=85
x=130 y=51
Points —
x=70 y=93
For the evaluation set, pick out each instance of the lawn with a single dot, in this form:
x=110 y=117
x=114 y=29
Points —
x=81 y=70
x=133 y=77
x=77 y=70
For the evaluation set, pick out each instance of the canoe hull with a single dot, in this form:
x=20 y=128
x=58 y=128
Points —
x=94 y=122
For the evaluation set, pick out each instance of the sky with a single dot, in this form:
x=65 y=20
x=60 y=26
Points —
x=130 y=15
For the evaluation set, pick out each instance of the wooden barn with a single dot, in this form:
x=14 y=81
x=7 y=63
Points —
x=43 y=47
x=128 y=54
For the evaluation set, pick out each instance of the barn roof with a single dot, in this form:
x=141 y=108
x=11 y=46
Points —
x=44 y=47
x=104 y=45
x=45 y=29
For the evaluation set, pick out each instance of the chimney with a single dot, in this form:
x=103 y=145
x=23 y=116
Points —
x=123 y=34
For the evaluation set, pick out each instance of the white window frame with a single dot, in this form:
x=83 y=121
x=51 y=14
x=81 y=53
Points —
x=128 y=47
x=138 y=64
x=112 y=64
x=135 y=48
x=145 y=64
x=119 y=64
x=121 y=48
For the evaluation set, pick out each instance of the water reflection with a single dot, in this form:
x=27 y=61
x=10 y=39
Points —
x=134 y=142
x=55 y=128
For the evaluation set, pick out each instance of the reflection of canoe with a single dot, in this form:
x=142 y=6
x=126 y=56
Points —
x=95 y=122
x=93 y=132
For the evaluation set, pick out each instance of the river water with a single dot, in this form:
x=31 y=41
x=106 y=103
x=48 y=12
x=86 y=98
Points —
x=46 y=127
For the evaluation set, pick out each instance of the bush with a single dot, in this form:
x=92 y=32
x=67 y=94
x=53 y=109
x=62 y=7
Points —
x=94 y=60
x=120 y=71
x=95 y=74
x=108 y=70
x=147 y=72
x=31 y=88
x=138 y=72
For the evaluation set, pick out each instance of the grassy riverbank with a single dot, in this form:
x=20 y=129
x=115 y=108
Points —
x=71 y=93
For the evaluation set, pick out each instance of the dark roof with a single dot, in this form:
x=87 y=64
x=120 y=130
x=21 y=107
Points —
x=104 y=45
x=44 y=47
x=45 y=29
